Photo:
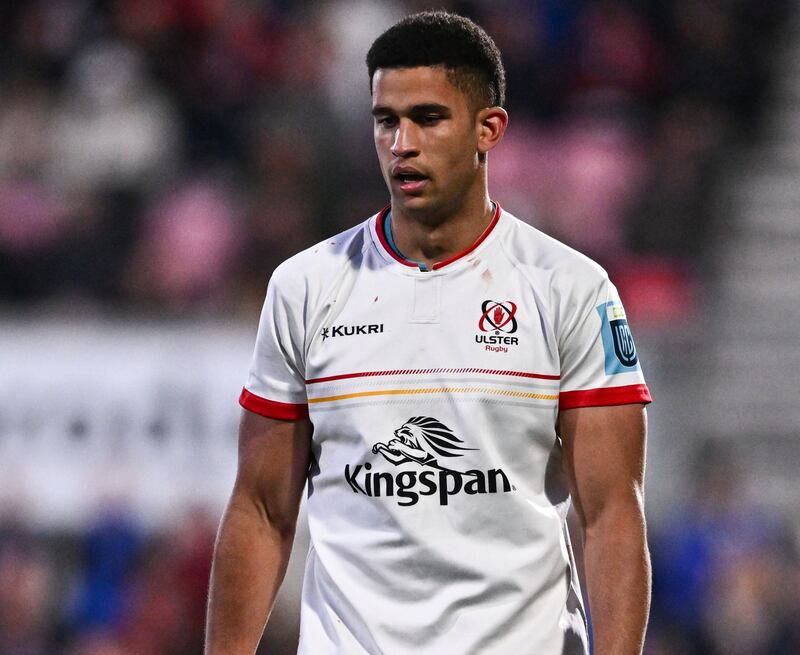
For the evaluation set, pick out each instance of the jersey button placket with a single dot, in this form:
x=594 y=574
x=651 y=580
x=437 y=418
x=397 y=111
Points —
x=427 y=299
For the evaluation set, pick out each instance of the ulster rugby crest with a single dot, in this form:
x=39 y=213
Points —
x=498 y=317
x=499 y=320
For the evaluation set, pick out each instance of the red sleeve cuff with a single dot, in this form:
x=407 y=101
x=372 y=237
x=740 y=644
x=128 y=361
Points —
x=630 y=394
x=272 y=408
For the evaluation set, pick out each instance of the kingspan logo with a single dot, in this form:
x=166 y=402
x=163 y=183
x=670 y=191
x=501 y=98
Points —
x=424 y=441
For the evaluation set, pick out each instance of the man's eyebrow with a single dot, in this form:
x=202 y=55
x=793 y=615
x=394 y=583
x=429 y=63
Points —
x=431 y=107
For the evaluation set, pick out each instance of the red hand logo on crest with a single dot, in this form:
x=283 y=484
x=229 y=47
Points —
x=499 y=316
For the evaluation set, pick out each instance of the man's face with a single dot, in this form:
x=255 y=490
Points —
x=426 y=134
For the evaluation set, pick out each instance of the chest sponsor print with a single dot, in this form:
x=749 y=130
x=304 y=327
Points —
x=431 y=445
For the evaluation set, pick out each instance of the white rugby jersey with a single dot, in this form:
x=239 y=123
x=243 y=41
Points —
x=436 y=499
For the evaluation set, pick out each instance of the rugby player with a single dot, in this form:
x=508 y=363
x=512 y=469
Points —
x=445 y=380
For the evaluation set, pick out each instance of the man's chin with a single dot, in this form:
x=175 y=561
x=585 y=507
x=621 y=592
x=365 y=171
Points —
x=412 y=203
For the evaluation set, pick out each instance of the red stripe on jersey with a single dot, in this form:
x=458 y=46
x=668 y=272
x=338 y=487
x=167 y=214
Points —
x=388 y=248
x=421 y=371
x=272 y=408
x=629 y=394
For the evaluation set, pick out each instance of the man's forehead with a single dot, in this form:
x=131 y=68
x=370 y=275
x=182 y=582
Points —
x=408 y=87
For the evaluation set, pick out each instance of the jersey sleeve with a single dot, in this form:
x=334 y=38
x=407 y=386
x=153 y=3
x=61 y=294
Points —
x=599 y=362
x=275 y=386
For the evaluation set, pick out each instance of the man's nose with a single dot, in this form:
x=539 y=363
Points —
x=404 y=144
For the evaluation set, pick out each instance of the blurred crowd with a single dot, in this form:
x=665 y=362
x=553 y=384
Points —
x=111 y=590
x=726 y=566
x=165 y=155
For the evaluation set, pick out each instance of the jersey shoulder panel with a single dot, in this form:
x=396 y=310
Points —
x=532 y=249
x=293 y=305
x=598 y=360
x=311 y=268
x=570 y=281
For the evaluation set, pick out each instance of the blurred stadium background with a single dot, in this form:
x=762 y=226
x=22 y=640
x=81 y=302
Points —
x=158 y=158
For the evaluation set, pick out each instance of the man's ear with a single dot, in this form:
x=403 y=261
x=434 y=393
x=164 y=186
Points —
x=492 y=123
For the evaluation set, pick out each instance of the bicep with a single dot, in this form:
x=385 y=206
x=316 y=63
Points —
x=604 y=454
x=274 y=457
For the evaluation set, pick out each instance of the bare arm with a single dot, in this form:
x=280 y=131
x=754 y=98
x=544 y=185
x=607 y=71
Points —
x=604 y=451
x=256 y=533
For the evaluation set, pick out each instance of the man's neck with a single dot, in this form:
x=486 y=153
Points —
x=430 y=240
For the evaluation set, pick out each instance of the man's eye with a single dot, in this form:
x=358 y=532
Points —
x=386 y=121
x=429 y=119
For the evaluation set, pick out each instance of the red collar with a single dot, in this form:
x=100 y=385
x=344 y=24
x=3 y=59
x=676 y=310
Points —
x=388 y=248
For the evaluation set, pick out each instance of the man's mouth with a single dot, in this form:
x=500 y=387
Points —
x=411 y=182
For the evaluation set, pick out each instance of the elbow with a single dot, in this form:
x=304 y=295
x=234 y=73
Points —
x=620 y=520
x=280 y=522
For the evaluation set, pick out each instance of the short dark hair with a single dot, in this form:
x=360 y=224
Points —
x=438 y=38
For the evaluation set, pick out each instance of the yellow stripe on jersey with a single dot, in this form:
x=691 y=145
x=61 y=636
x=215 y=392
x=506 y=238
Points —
x=400 y=392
